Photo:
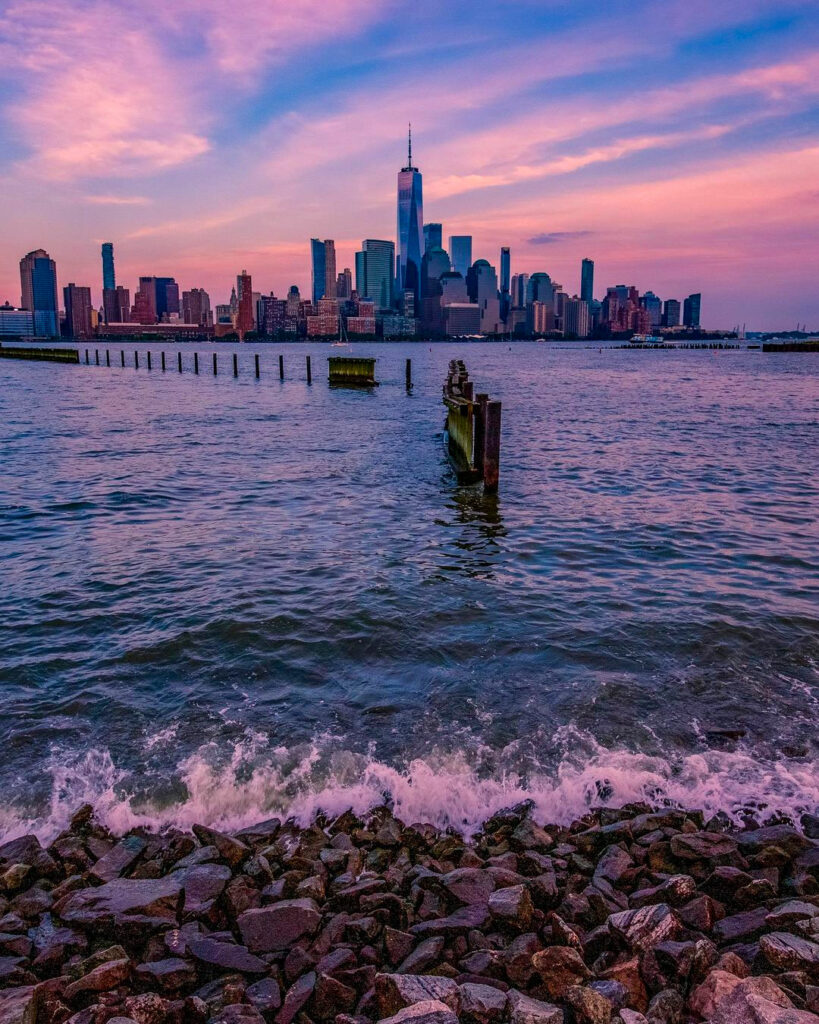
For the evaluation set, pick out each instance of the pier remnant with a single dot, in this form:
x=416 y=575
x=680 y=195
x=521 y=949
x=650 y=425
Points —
x=472 y=430
x=49 y=355
x=352 y=372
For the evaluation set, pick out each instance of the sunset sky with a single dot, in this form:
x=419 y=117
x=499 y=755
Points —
x=676 y=142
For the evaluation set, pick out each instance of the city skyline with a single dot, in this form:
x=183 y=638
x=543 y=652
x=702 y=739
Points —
x=676 y=144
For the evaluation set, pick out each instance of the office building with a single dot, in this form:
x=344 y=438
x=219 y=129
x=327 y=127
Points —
x=433 y=237
x=196 y=307
x=344 y=284
x=461 y=318
x=323 y=265
x=16 y=323
x=482 y=286
x=410 y=226
x=375 y=271
x=691 y=310
x=38 y=289
x=587 y=280
x=245 y=313
x=505 y=282
x=460 y=252
x=671 y=313
x=116 y=305
x=78 y=308
x=109 y=281
x=654 y=307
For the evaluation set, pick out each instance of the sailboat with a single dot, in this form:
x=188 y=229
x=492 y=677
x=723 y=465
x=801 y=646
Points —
x=343 y=340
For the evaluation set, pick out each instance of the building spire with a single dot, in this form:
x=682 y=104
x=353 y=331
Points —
x=409 y=151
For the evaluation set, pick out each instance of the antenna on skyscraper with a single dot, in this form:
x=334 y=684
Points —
x=409 y=150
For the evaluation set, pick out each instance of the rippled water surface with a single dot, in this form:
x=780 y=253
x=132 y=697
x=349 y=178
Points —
x=220 y=598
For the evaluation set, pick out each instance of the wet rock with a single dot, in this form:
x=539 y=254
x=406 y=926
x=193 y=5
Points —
x=615 y=866
x=203 y=884
x=234 y=851
x=429 y=1011
x=226 y=956
x=788 y=952
x=529 y=836
x=522 y=1009
x=710 y=846
x=395 y=991
x=118 y=859
x=560 y=967
x=279 y=925
x=123 y=903
x=674 y=891
x=643 y=928
x=262 y=834
x=786 y=837
x=469 y=885
x=512 y=907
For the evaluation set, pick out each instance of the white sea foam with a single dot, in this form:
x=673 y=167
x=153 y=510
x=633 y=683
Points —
x=256 y=779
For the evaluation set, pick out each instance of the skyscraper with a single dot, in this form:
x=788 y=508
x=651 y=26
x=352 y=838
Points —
x=375 y=272
x=244 y=292
x=108 y=277
x=505 y=282
x=410 y=226
x=482 y=284
x=433 y=237
x=587 y=280
x=671 y=313
x=323 y=265
x=460 y=252
x=653 y=304
x=161 y=297
x=196 y=307
x=38 y=287
x=691 y=310
x=77 y=311
x=344 y=284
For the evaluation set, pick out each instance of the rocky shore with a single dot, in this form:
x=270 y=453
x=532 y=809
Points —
x=627 y=916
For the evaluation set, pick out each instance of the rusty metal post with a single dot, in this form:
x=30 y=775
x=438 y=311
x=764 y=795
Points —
x=491 y=446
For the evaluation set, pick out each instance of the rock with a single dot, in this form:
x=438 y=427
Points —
x=739 y=927
x=226 y=955
x=429 y=1011
x=395 y=991
x=118 y=859
x=512 y=907
x=17 y=1005
x=148 y=903
x=789 y=913
x=469 y=885
x=703 y=846
x=427 y=953
x=265 y=995
x=522 y=1009
x=101 y=979
x=675 y=891
x=278 y=926
x=263 y=833
x=632 y=1017
x=482 y=1004
x=786 y=837
x=296 y=997
x=202 y=883
x=589 y=1007
x=759 y=1001
x=529 y=836
x=643 y=928
x=331 y=997
x=560 y=967
x=234 y=851
x=667 y=1007
x=627 y=973
x=700 y=913
x=790 y=953
x=613 y=991
x=169 y=974
x=458 y=923
x=615 y=866
x=238 y=1013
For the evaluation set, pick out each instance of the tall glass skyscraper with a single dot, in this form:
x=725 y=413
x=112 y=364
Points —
x=433 y=236
x=460 y=252
x=505 y=281
x=410 y=226
x=108 y=278
x=38 y=289
x=587 y=280
x=375 y=272
x=323 y=264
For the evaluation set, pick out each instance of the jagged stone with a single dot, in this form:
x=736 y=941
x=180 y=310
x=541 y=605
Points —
x=424 y=955
x=512 y=907
x=739 y=927
x=458 y=923
x=469 y=885
x=588 y=1006
x=560 y=967
x=790 y=953
x=122 y=903
x=279 y=925
x=169 y=974
x=522 y=1009
x=482 y=1004
x=395 y=991
x=226 y=955
x=703 y=846
x=234 y=851
x=643 y=928
x=118 y=859
x=429 y=1011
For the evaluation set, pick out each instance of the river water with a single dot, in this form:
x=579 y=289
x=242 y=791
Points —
x=222 y=599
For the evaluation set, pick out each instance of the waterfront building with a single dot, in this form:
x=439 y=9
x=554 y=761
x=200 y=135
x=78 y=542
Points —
x=375 y=271
x=505 y=282
x=671 y=313
x=116 y=305
x=323 y=264
x=196 y=307
x=587 y=280
x=460 y=252
x=244 y=294
x=16 y=323
x=653 y=304
x=108 y=277
x=691 y=310
x=542 y=317
x=324 y=322
x=539 y=288
x=160 y=297
x=433 y=237
x=461 y=318
x=410 y=226
x=482 y=286
x=520 y=283
x=38 y=289
x=395 y=326
x=640 y=320
x=78 y=309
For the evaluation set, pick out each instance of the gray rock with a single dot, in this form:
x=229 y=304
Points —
x=424 y=955
x=469 y=885
x=226 y=955
x=169 y=974
x=202 y=883
x=740 y=927
x=149 y=902
x=280 y=925
x=296 y=997
x=101 y=979
x=459 y=923
x=118 y=859
x=512 y=907
x=703 y=846
x=482 y=1004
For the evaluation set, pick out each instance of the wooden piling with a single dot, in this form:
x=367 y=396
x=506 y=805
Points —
x=107 y=358
x=235 y=365
x=309 y=372
x=281 y=367
x=480 y=429
x=491 y=446
x=148 y=353
x=409 y=374
x=86 y=357
x=214 y=364
x=196 y=362
x=256 y=358
x=122 y=357
x=179 y=361
x=163 y=362
x=136 y=360
x=97 y=356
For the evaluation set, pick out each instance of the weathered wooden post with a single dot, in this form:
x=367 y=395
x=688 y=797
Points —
x=86 y=357
x=480 y=427
x=281 y=367
x=257 y=365
x=122 y=357
x=97 y=356
x=309 y=372
x=235 y=365
x=107 y=358
x=179 y=361
x=214 y=364
x=163 y=362
x=149 y=358
x=491 y=446
x=136 y=359
x=409 y=374
x=196 y=362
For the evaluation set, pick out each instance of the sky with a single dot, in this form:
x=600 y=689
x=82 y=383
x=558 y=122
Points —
x=675 y=142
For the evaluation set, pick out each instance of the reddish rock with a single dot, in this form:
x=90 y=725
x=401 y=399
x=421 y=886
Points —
x=279 y=925
x=643 y=928
x=560 y=967
x=234 y=851
x=522 y=1009
x=395 y=991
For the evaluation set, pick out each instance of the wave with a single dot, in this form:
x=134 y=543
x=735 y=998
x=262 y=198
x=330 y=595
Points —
x=230 y=787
